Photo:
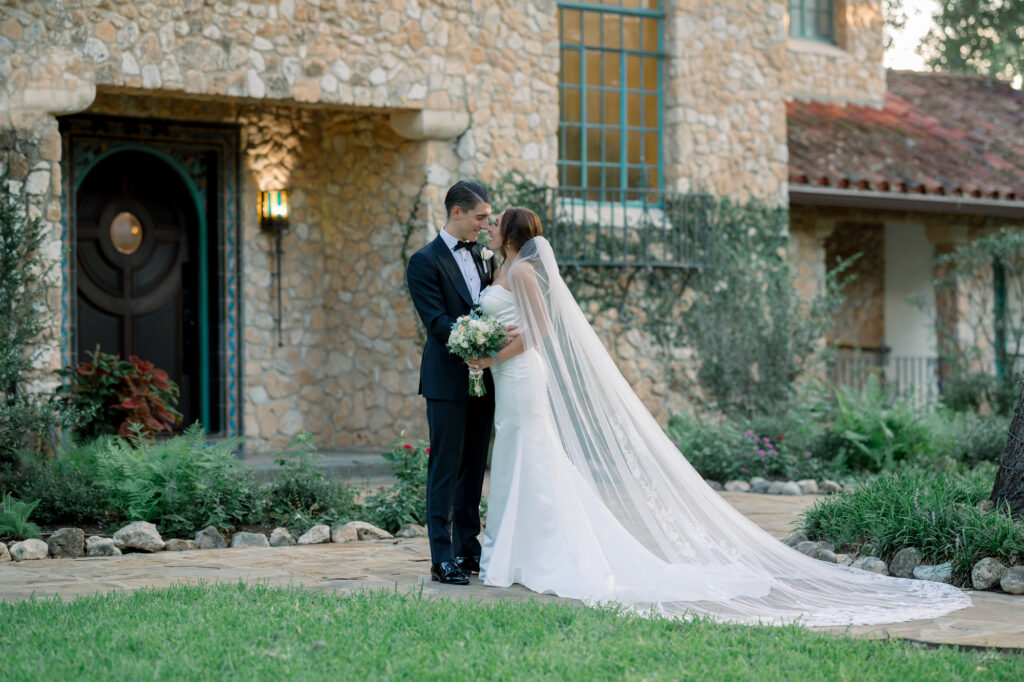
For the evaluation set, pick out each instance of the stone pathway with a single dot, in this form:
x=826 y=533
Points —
x=993 y=621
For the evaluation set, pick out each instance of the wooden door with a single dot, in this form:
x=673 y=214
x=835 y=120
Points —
x=137 y=268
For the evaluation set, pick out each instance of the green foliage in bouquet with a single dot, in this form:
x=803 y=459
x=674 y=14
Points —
x=406 y=500
x=302 y=495
x=123 y=396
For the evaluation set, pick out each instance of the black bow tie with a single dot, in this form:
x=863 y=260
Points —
x=463 y=245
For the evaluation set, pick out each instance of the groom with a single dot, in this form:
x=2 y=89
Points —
x=445 y=280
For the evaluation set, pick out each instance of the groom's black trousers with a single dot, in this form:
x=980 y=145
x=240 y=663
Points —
x=460 y=432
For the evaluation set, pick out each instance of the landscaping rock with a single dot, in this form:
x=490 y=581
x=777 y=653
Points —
x=737 y=486
x=280 y=537
x=759 y=485
x=808 y=486
x=315 y=535
x=1013 y=581
x=5 y=554
x=139 y=535
x=29 y=550
x=67 y=543
x=344 y=533
x=818 y=550
x=940 y=573
x=872 y=564
x=795 y=539
x=177 y=545
x=844 y=559
x=368 y=531
x=411 y=530
x=790 y=488
x=987 y=573
x=775 y=487
x=830 y=487
x=249 y=540
x=806 y=547
x=905 y=561
x=100 y=546
x=210 y=538
x=714 y=485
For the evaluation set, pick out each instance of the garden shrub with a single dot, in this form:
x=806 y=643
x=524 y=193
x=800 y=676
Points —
x=735 y=450
x=302 y=495
x=406 y=500
x=14 y=518
x=65 y=486
x=943 y=516
x=25 y=417
x=870 y=431
x=119 y=394
x=181 y=484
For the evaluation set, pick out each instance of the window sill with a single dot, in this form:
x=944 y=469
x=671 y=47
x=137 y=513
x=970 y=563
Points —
x=806 y=46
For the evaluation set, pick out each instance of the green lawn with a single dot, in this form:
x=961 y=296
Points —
x=237 y=631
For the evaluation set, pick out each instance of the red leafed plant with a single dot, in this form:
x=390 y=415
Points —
x=119 y=393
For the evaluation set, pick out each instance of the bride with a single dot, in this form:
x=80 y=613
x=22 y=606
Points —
x=590 y=500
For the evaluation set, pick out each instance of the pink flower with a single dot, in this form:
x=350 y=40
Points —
x=807 y=454
x=743 y=469
x=748 y=432
x=760 y=453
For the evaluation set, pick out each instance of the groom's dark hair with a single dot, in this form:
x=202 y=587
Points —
x=466 y=194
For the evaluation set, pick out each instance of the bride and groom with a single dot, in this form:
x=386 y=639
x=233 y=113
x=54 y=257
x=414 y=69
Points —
x=588 y=498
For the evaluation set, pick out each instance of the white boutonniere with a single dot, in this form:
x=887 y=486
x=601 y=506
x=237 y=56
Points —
x=486 y=253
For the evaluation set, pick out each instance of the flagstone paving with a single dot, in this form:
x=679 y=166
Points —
x=994 y=619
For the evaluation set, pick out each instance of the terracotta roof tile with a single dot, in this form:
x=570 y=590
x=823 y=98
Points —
x=943 y=134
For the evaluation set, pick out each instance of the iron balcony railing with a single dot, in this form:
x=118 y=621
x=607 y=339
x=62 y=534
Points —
x=635 y=227
x=913 y=378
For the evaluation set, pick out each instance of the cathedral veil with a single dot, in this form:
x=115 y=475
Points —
x=622 y=454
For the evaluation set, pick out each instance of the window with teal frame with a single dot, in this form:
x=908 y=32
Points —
x=812 y=19
x=610 y=89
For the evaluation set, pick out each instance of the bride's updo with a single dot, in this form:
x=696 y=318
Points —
x=518 y=225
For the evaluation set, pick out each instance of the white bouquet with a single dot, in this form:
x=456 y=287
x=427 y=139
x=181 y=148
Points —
x=473 y=336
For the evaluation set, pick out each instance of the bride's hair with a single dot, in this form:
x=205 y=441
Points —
x=518 y=225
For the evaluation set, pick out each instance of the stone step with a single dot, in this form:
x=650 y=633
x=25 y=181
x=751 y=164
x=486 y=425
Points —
x=354 y=465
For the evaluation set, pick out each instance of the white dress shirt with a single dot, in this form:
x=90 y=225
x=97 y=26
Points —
x=464 y=259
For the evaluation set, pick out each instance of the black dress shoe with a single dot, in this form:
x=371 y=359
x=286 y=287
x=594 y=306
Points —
x=468 y=564
x=448 y=572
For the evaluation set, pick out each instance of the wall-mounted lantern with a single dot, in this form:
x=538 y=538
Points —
x=273 y=212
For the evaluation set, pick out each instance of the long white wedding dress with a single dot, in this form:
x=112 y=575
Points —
x=590 y=500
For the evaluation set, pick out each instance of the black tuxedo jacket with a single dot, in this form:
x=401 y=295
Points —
x=440 y=295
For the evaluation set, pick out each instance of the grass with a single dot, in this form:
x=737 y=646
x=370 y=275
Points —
x=938 y=514
x=257 y=632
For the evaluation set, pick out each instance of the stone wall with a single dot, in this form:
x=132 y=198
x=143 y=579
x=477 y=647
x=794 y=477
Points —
x=724 y=112
x=367 y=112
x=848 y=71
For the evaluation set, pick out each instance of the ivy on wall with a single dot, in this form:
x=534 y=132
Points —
x=736 y=306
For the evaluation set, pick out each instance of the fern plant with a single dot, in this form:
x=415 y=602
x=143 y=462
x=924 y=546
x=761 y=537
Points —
x=181 y=484
x=14 y=518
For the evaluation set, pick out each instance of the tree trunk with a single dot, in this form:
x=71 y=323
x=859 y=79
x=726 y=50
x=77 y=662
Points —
x=1009 y=485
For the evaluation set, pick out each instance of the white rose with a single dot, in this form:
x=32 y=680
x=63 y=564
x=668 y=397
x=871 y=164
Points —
x=481 y=339
x=486 y=253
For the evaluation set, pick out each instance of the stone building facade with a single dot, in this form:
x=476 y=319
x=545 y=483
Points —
x=366 y=112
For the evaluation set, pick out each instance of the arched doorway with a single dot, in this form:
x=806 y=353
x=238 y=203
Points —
x=138 y=264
